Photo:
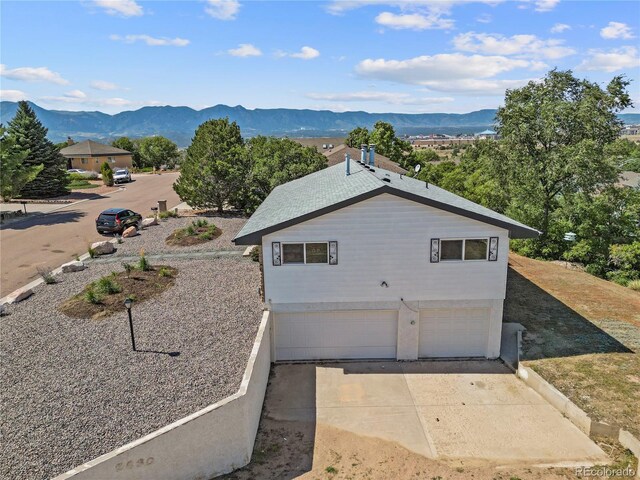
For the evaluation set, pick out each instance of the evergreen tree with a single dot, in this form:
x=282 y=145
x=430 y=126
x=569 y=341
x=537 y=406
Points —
x=29 y=134
x=107 y=174
x=14 y=175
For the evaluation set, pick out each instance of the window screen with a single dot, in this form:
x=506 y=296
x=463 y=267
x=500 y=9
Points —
x=475 y=249
x=317 y=253
x=450 y=249
x=293 y=253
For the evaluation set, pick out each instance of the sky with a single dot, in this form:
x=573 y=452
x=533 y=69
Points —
x=379 y=56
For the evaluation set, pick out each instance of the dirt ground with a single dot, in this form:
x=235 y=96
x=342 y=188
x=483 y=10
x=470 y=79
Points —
x=583 y=335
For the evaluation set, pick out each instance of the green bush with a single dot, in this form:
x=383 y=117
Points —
x=634 y=285
x=91 y=296
x=107 y=174
x=106 y=286
x=143 y=263
x=165 y=272
x=46 y=275
x=255 y=253
x=127 y=268
x=168 y=214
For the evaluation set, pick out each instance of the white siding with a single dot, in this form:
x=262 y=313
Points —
x=336 y=335
x=385 y=238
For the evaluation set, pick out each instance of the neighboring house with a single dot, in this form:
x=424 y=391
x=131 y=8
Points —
x=629 y=179
x=374 y=264
x=336 y=155
x=486 y=134
x=90 y=155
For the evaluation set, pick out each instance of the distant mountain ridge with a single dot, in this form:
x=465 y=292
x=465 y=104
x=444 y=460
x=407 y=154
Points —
x=179 y=123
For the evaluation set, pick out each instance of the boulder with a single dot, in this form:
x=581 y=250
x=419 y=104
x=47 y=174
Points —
x=130 y=232
x=102 y=248
x=75 y=266
x=148 y=222
x=19 y=295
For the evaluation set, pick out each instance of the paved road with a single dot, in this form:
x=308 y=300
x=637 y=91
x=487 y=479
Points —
x=57 y=237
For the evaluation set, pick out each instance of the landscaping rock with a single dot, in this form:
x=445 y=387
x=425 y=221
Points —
x=102 y=248
x=75 y=266
x=19 y=295
x=130 y=232
x=148 y=222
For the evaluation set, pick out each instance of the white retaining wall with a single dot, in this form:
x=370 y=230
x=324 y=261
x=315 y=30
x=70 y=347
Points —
x=216 y=440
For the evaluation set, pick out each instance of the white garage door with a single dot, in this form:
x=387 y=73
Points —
x=336 y=334
x=454 y=332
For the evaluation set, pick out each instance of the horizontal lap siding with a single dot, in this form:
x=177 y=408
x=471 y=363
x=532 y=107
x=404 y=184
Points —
x=385 y=238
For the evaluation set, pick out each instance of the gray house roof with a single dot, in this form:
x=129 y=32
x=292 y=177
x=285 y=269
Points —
x=89 y=148
x=331 y=189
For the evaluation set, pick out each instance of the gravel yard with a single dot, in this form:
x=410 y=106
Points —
x=73 y=389
x=152 y=239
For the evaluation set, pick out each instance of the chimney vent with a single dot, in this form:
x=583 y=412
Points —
x=347 y=160
x=372 y=154
x=363 y=154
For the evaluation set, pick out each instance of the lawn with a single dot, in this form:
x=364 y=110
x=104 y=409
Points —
x=81 y=184
x=583 y=335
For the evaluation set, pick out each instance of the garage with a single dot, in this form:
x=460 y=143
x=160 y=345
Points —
x=336 y=334
x=454 y=332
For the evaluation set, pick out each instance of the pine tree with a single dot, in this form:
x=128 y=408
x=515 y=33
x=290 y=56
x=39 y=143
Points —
x=29 y=134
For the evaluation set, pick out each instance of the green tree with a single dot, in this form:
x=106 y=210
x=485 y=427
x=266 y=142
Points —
x=554 y=133
x=387 y=144
x=129 y=145
x=215 y=167
x=157 y=151
x=275 y=161
x=14 y=174
x=107 y=174
x=28 y=134
x=425 y=155
x=357 y=137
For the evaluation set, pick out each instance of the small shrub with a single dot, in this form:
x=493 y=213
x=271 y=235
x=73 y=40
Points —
x=92 y=252
x=331 y=470
x=168 y=214
x=255 y=254
x=106 y=286
x=634 y=285
x=119 y=239
x=127 y=268
x=92 y=297
x=46 y=275
x=143 y=263
x=165 y=272
x=107 y=174
x=206 y=236
x=200 y=223
x=190 y=230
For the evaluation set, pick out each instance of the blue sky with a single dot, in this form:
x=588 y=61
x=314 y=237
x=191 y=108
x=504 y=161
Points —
x=378 y=56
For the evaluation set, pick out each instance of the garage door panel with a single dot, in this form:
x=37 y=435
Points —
x=454 y=332
x=339 y=334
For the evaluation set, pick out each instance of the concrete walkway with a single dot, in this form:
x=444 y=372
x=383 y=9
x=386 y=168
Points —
x=475 y=410
x=167 y=256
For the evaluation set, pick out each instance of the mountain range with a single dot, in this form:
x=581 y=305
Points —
x=179 y=123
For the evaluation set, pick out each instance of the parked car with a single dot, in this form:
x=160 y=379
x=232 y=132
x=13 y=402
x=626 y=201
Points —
x=116 y=220
x=121 y=175
x=88 y=174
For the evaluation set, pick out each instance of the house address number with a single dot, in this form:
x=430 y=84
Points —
x=131 y=464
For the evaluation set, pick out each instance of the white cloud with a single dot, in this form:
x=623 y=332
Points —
x=306 y=53
x=223 y=9
x=484 y=18
x=616 y=30
x=245 y=50
x=103 y=85
x=524 y=45
x=386 y=97
x=152 y=41
x=12 y=95
x=442 y=67
x=475 y=87
x=123 y=8
x=32 y=74
x=560 y=27
x=612 y=60
x=413 y=21
x=79 y=94
x=545 y=5
x=78 y=99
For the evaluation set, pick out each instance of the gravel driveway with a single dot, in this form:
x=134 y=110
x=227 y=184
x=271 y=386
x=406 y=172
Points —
x=73 y=389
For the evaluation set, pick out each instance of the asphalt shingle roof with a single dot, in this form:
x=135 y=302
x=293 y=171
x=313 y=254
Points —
x=336 y=155
x=330 y=189
x=89 y=148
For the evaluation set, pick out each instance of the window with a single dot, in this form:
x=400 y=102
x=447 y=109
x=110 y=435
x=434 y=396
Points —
x=111 y=159
x=84 y=161
x=305 y=253
x=464 y=249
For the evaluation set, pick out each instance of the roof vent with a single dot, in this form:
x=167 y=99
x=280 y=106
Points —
x=386 y=179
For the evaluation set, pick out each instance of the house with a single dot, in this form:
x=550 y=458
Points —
x=90 y=155
x=336 y=156
x=486 y=134
x=362 y=262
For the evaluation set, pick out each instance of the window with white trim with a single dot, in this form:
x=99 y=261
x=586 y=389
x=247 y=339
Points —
x=305 y=253
x=464 y=249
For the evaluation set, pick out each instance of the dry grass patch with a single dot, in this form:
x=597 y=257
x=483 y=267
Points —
x=106 y=295
x=200 y=231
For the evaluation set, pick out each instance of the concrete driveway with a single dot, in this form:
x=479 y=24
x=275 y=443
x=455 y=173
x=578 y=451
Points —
x=476 y=410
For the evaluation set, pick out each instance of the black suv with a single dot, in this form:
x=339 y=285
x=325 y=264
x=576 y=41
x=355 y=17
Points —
x=115 y=220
